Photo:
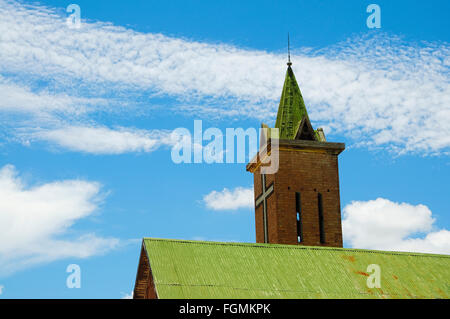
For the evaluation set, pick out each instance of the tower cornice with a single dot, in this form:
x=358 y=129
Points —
x=295 y=145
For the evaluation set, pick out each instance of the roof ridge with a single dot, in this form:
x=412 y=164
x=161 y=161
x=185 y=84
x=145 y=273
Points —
x=272 y=246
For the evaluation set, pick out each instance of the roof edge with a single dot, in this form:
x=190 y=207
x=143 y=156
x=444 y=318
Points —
x=273 y=246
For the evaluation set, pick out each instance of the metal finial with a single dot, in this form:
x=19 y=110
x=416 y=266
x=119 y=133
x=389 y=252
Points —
x=289 y=52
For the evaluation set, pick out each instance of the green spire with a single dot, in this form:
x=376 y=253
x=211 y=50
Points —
x=292 y=108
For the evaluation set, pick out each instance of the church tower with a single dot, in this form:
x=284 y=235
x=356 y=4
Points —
x=300 y=203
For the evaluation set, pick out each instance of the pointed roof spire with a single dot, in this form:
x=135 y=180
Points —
x=292 y=115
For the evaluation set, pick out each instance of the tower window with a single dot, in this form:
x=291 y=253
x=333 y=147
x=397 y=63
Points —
x=299 y=218
x=321 y=225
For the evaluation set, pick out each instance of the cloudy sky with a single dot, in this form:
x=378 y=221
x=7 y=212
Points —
x=88 y=120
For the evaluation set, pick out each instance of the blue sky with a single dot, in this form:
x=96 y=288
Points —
x=87 y=118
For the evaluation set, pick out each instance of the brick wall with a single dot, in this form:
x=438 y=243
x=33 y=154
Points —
x=309 y=173
x=144 y=287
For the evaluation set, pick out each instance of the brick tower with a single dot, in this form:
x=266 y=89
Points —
x=300 y=203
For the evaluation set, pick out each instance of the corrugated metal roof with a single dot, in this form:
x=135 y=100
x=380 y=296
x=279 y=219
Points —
x=196 y=269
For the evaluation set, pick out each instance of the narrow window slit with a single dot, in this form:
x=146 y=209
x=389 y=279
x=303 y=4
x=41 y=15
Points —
x=299 y=218
x=321 y=225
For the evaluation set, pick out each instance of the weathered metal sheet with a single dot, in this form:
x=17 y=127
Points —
x=194 y=269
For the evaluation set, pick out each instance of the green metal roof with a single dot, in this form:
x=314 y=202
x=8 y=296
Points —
x=195 y=269
x=292 y=107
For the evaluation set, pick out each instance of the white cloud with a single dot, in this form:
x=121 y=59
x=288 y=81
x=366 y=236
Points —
x=102 y=52
x=385 y=225
x=226 y=199
x=1 y=289
x=34 y=220
x=103 y=140
x=19 y=98
x=377 y=90
x=127 y=296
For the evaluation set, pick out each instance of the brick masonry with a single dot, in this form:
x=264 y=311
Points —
x=144 y=287
x=309 y=172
